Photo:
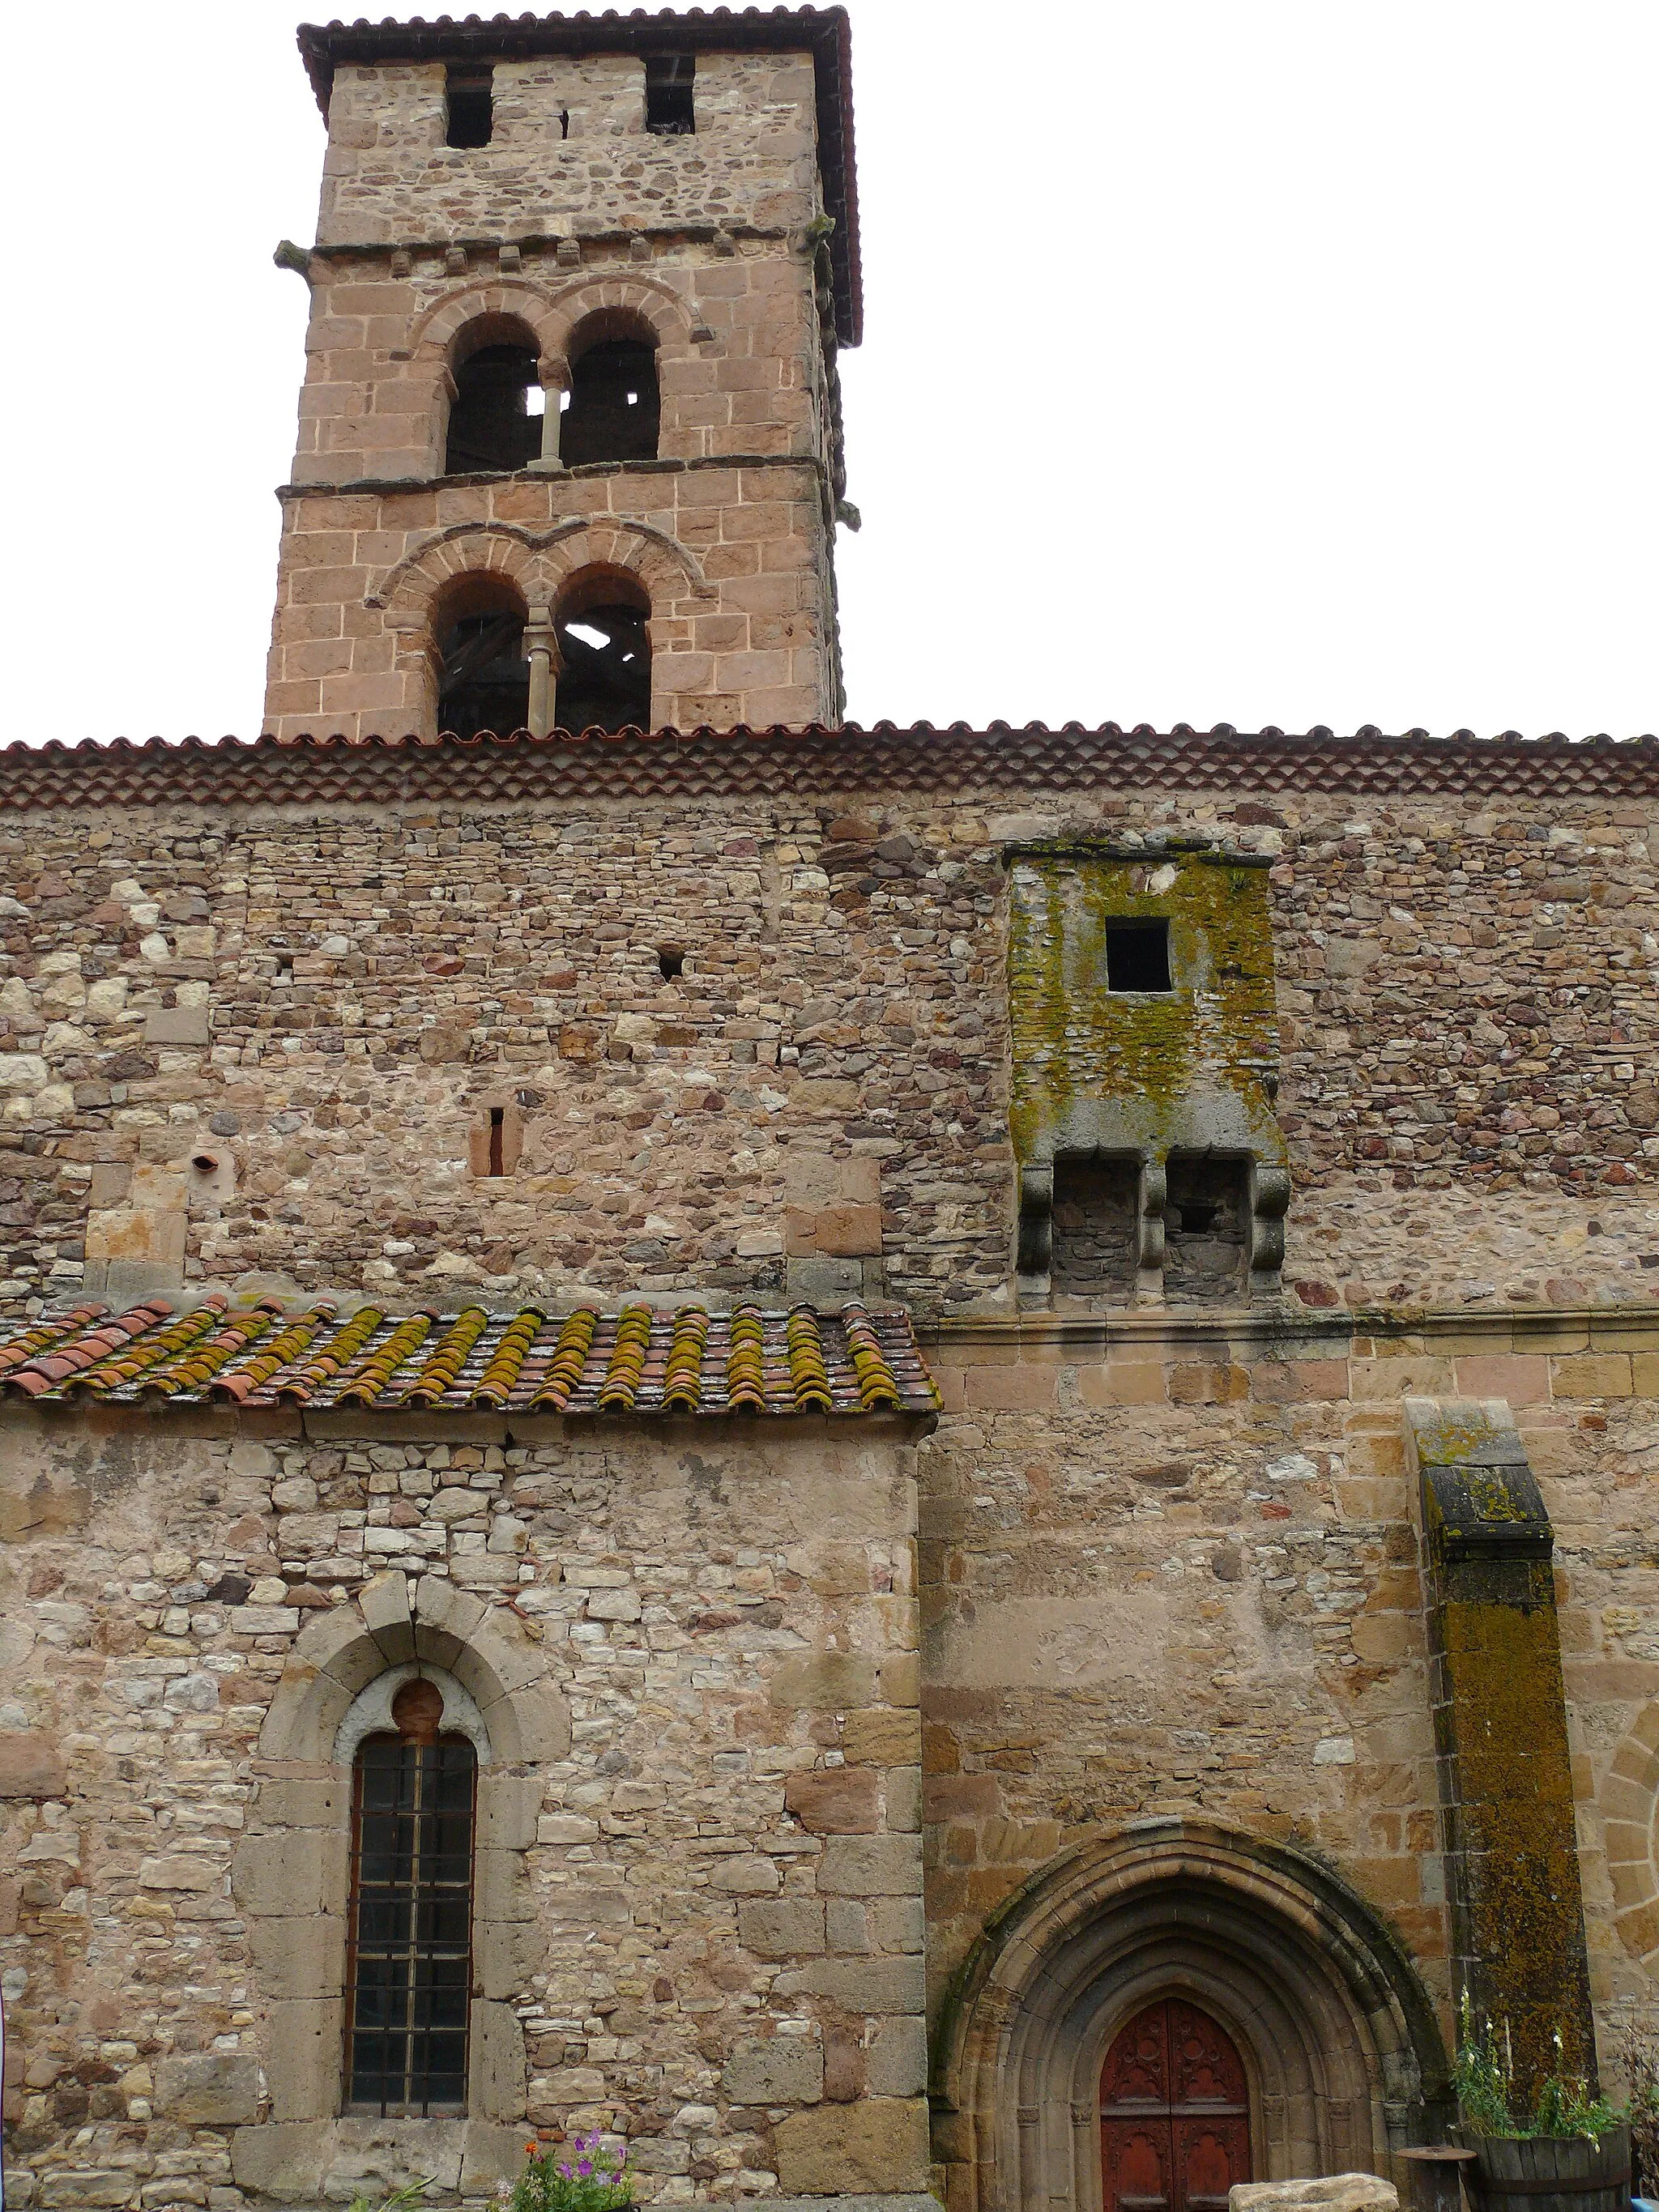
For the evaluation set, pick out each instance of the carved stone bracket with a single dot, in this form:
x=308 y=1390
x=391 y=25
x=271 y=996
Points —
x=1037 y=1218
x=1270 y=1199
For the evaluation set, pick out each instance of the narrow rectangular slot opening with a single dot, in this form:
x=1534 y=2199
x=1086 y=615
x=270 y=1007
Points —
x=1138 y=956
x=497 y=1137
x=668 y=106
x=1096 y=1210
x=469 y=107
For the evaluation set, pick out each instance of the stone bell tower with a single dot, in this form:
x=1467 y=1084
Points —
x=569 y=448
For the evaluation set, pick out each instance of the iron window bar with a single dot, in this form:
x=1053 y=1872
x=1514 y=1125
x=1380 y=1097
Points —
x=409 y=1967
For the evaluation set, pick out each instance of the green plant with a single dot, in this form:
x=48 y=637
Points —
x=591 y=2177
x=1484 y=2078
x=395 y=2200
x=1480 y=2076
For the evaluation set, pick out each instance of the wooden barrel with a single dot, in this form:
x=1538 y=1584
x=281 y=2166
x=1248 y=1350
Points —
x=1550 y=2173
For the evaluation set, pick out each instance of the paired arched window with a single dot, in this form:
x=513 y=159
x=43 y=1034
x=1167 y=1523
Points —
x=484 y=672
x=409 y=1967
x=602 y=627
x=605 y=648
x=611 y=412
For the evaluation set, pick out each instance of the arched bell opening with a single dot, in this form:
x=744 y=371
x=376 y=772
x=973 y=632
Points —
x=496 y=415
x=614 y=410
x=602 y=623
x=482 y=667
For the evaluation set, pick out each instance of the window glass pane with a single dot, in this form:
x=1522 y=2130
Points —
x=411 y=1925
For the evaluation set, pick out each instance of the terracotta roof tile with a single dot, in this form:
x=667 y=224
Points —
x=318 y=770
x=641 y=1360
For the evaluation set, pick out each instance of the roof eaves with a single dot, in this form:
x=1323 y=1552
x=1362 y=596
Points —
x=643 y=1360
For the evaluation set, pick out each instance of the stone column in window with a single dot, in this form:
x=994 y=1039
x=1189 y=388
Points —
x=541 y=645
x=554 y=374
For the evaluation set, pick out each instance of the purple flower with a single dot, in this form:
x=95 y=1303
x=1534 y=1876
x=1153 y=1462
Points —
x=585 y=2167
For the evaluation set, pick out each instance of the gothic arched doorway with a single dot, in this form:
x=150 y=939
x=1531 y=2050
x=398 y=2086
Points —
x=1335 y=2037
x=1174 y=2121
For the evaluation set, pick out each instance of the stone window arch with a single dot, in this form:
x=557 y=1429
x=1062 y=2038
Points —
x=291 y=1875
x=1629 y=1798
x=1343 y=2058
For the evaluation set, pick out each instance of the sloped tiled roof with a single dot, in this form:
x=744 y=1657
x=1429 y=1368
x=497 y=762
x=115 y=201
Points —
x=706 y=764
x=638 y=1360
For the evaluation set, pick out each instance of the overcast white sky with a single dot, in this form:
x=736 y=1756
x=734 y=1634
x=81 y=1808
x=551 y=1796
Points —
x=1288 y=362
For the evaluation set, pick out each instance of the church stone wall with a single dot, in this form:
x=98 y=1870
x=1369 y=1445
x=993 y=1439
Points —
x=699 y=1903
x=327 y=1004
x=390 y=180
x=1172 y=1573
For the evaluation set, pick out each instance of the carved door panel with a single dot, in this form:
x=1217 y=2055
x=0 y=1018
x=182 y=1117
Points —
x=1175 y=2131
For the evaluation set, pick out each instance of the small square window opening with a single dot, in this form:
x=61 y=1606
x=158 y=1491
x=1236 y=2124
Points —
x=468 y=103
x=1138 y=956
x=671 y=961
x=668 y=110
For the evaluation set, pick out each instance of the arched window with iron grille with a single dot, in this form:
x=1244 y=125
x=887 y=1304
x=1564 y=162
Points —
x=409 y=1967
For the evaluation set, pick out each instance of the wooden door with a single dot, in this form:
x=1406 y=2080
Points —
x=1175 y=2127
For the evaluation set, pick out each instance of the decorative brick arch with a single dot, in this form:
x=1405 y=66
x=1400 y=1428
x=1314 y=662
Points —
x=551 y=311
x=539 y=562
x=1343 y=2056
x=650 y=299
x=1628 y=1799
x=433 y=330
x=290 y=1875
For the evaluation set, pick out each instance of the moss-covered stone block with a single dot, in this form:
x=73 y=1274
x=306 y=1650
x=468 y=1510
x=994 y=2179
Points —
x=1501 y=1734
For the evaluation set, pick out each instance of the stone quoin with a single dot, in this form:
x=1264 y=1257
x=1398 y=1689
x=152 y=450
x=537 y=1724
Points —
x=894 y=1460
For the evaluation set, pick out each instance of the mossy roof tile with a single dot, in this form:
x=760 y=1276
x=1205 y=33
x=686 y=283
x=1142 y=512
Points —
x=643 y=1360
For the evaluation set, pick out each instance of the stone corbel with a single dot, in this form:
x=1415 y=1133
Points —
x=1270 y=1199
x=1037 y=1218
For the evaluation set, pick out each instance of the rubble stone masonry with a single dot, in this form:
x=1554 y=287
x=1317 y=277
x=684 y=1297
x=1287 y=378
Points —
x=389 y=179
x=1170 y=1555
x=326 y=1007
x=700 y=1898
